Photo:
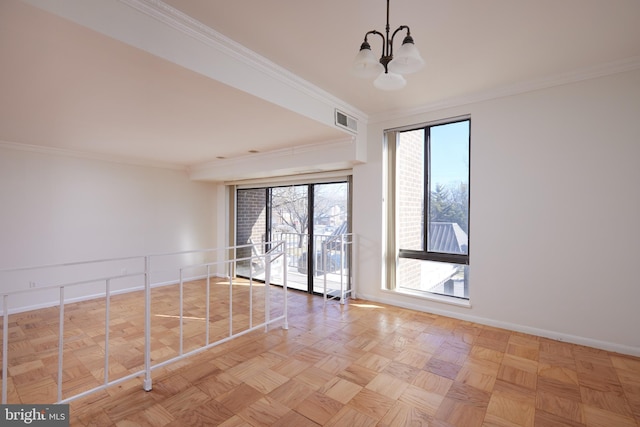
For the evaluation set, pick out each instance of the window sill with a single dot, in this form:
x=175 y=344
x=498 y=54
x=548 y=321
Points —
x=458 y=302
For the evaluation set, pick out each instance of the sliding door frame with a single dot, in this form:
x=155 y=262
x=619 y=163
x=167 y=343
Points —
x=310 y=182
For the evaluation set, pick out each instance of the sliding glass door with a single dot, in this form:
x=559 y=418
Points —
x=330 y=219
x=304 y=216
x=289 y=221
x=251 y=231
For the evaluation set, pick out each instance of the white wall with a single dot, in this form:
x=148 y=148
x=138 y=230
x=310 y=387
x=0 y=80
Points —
x=58 y=209
x=554 y=234
x=555 y=202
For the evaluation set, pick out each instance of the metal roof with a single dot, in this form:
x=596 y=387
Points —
x=447 y=237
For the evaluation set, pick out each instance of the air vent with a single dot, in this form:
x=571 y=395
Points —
x=346 y=122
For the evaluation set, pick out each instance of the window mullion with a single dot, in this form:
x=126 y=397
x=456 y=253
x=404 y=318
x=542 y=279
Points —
x=426 y=192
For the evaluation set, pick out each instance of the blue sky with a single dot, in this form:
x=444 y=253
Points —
x=450 y=153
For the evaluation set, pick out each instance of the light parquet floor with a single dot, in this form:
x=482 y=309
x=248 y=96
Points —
x=361 y=364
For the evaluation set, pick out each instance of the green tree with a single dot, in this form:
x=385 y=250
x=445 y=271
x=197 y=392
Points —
x=450 y=204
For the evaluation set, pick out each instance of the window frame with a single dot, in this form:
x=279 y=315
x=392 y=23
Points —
x=426 y=254
x=391 y=142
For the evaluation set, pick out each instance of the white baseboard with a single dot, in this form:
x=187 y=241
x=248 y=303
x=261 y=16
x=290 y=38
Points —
x=554 y=335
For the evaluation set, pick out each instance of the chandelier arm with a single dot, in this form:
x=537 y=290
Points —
x=374 y=32
x=400 y=28
x=384 y=41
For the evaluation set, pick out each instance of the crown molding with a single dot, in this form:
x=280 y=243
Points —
x=301 y=160
x=587 y=73
x=264 y=156
x=303 y=177
x=182 y=22
x=273 y=154
x=64 y=152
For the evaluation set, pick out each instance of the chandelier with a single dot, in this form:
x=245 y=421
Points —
x=389 y=68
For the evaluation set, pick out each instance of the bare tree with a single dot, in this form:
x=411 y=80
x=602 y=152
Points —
x=290 y=206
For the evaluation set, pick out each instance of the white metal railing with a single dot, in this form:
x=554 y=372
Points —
x=332 y=264
x=297 y=244
x=337 y=253
x=278 y=250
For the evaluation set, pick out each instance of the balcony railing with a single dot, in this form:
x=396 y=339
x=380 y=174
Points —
x=331 y=267
x=62 y=285
x=337 y=253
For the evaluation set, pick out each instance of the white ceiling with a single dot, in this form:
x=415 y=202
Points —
x=66 y=86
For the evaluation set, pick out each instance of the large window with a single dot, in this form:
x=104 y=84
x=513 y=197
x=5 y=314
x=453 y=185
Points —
x=428 y=213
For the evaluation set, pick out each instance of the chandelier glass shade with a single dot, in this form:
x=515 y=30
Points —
x=389 y=67
x=390 y=81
